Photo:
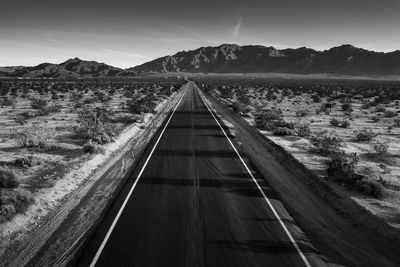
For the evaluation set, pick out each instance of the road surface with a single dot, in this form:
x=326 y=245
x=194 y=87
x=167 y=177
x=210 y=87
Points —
x=194 y=200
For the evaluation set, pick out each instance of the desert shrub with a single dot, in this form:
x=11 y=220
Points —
x=92 y=126
x=38 y=103
x=302 y=113
x=23 y=117
x=236 y=107
x=364 y=135
x=396 y=122
x=142 y=104
x=243 y=99
x=8 y=179
x=25 y=162
x=285 y=124
x=89 y=100
x=326 y=108
x=35 y=136
x=370 y=187
x=268 y=119
x=13 y=202
x=341 y=168
x=53 y=108
x=6 y=101
x=339 y=123
x=303 y=130
x=380 y=147
x=103 y=97
x=75 y=96
x=92 y=148
x=282 y=131
x=346 y=107
x=7 y=212
x=389 y=114
x=327 y=143
x=375 y=118
x=334 y=122
x=316 y=98
x=344 y=123
x=55 y=96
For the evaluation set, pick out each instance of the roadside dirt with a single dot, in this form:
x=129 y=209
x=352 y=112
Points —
x=336 y=225
x=59 y=235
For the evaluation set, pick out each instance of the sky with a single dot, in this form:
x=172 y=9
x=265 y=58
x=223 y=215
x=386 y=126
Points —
x=127 y=33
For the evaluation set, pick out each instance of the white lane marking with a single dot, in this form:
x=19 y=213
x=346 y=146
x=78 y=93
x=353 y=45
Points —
x=262 y=192
x=103 y=244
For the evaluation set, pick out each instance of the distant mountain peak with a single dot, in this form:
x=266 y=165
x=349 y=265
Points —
x=72 y=68
x=228 y=58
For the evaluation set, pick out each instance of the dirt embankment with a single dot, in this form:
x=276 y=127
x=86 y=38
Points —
x=336 y=225
x=58 y=236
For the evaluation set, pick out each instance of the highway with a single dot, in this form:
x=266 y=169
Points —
x=195 y=200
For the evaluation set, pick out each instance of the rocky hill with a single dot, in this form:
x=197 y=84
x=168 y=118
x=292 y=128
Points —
x=72 y=68
x=231 y=58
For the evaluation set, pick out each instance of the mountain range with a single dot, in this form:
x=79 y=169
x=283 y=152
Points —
x=231 y=58
x=72 y=68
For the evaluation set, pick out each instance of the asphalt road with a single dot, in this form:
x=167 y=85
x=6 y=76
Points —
x=192 y=201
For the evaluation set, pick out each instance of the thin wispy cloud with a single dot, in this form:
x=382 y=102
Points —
x=52 y=40
x=236 y=30
x=124 y=53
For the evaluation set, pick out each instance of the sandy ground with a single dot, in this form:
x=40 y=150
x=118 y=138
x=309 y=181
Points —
x=60 y=172
x=385 y=168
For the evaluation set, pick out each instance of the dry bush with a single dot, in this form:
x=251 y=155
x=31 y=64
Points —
x=38 y=103
x=93 y=126
x=364 y=135
x=93 y=148
x=268 y=119
x=303 y=130
x=339 y=123
x=141 y=104
x=396 y=122
x=341 y=168
x=12 y=202
x=370 y=187
x=35 y=136
x=389 y=114
x=380 y=109
x=302 y=113
x=8 y=179
x=381 y=147
x=283 y=131
x=327 y=143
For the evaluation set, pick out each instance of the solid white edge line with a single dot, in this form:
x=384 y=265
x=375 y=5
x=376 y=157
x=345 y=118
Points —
x=103 y=244
x=260 y=189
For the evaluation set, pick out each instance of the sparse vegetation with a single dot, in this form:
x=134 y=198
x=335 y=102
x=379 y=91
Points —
x=364 y=135
x=8 y=179
x=380 y=147
x=360 y=111
x=327 y=143
x=39 y=117
x=92 y=148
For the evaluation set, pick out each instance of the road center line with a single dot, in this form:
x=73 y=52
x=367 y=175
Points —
x=306 y=262
x=103 y=244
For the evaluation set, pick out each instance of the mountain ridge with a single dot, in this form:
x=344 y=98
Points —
x=72 y=68
x=230 y=58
